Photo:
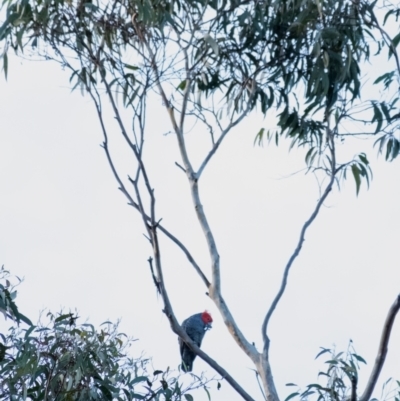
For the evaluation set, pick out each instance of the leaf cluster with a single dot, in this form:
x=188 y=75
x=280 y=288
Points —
x=7 y=298
x=277 y=44
x=300 y=60
x=340 y=376
x=65 y=360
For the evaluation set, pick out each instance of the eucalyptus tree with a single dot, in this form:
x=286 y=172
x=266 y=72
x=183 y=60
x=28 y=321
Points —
x=62 y=359
x=214 y=63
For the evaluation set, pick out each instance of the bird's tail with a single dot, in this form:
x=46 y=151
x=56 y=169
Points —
x=187 y=366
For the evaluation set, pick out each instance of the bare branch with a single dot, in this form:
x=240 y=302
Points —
x=382 y=350
x=227 y=129
x=215 y=287
x=166 y=232
x=169 y=107
x=159 y=278
x=199 y=114
x=178 y=165
x=119 y=119
x=187 y=254
x=152 y=226
x=155 y=281
x=297 y=250
x=131 y=201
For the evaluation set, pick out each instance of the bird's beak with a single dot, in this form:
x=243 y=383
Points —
x=208 y=327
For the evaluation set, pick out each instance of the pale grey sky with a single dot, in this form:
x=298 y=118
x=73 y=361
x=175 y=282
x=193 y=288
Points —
x=66 y=228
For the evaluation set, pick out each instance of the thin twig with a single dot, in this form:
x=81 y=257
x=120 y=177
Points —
x=156 y=283
x=231 y=125
x=299 y=245
x=178 y=165
x=134 y=204
x=259 y=384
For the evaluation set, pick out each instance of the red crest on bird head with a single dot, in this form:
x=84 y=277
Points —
x=206 y=317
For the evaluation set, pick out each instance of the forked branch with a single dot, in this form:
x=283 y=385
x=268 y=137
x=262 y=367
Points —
x=215 y=287
x=135 y=204
x=231 y=125
x=152 y=227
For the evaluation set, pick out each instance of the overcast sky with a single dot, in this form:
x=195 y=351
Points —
x=66 y=229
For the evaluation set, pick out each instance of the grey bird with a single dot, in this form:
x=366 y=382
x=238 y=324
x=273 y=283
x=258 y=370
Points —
x=195 y=327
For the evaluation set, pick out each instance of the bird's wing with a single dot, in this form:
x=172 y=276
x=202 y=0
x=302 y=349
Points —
x=182 y=345
x=196 y=334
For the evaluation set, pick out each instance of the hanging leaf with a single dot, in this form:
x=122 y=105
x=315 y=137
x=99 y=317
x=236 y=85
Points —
x=5 y=64
x=292 y=395
x=357 y=178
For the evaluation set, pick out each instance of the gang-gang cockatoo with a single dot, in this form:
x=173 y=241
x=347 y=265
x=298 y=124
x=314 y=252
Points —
x=195 y=327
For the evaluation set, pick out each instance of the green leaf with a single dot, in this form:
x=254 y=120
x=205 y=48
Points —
x=189 y=397
x=63 y=317
x=29 y=331
x=91 y=327
x=363 y=158
x=306 y=393
x=131 y=67
x=356 y=175
x=332 y=361
x=182 y=85
x=212 y=43
x=91 y=6
x=208 y=393
x=309 y=159
x=324 y=351
x=138 y=396
x=396 y=40
x=316 y=49
x=138 y=379
x=259 y=137
x=314 y=385
x=290 y=396
x=378 y=117
x=386 y=78
x=24 y=319
x=385 y=111
x=396 y=148
x=5 y=64
x=392 y=148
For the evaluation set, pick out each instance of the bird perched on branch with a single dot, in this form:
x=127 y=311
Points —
x=195 y=327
